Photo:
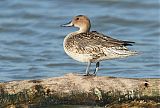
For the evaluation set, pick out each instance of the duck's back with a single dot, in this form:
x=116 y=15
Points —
x=95 y=46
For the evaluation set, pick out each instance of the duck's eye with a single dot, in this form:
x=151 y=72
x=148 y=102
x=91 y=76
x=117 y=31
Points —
x=77 y=18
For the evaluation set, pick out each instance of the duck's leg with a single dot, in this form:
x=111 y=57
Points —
x=87 y=69
x=96 y=69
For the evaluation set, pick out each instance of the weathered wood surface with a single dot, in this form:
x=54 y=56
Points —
x=77 y=89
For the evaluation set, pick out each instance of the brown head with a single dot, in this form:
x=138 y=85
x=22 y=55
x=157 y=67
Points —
x=80 y=21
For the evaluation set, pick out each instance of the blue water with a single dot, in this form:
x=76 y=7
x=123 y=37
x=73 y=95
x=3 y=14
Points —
x=31 y=37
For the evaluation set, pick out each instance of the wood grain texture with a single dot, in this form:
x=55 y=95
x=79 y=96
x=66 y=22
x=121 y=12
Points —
x=78 y=89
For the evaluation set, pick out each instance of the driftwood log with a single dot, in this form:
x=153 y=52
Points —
x=81 y=90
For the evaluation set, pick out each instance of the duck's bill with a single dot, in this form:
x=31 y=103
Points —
x=67 y=25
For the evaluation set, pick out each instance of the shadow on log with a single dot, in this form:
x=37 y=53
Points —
x=81 y=90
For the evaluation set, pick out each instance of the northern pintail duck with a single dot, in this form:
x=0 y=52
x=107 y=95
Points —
x=91 y=46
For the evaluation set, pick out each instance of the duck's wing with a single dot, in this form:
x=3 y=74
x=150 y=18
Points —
x=94 y=38
x=96 y=43
x=111 y=41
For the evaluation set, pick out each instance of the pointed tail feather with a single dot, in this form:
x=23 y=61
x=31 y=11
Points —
x=128 y=43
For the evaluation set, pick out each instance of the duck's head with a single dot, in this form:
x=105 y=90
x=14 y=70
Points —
x=80 y=21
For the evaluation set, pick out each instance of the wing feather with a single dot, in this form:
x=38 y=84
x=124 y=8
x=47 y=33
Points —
x=94 y=43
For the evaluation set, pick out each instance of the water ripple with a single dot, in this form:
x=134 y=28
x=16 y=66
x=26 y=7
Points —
x=31 y=39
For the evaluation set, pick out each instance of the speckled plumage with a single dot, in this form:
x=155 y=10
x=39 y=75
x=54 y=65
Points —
x=97 y=45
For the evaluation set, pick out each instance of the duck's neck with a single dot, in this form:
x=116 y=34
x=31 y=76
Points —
x=84 y=29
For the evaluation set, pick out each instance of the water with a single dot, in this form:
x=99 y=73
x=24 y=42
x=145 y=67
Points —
x=31 y=37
